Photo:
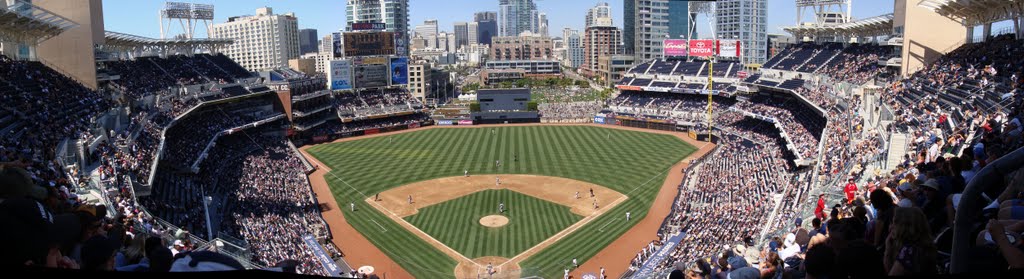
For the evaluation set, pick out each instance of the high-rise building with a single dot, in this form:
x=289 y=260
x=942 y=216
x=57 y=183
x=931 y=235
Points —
x=517 y=16
x=393 y=13
x=485 y=16
x=307 y=41
x=573 y=48
x=744 y=20
x=472 y=33
x=542 y=24
x=263 y=41
x=485 y=31
x=429 y=28
x=649 y=22
x=597 y=42
x=602 y=12
x=523 y=47
x=461 y=34
x=330 y=48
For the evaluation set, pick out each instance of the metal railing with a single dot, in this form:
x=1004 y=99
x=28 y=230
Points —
x=971 y=206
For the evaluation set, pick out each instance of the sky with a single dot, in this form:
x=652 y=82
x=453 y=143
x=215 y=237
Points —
x=140 y=17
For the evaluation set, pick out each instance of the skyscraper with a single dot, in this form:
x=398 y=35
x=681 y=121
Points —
x=597 y=42
x=542 y=24
x=429 y=28
x=485 y=31
x=472 y=33
x=461 y=34
x=307 y=41
x=573 y=48
x=485 y=16
x=600 y=12
x=517 y=16
x=649 y=22
x=745 y=20
x=393 y=13
x=265 y=41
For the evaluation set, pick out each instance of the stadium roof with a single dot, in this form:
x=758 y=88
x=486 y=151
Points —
x=27 y=23
x=872 y=26
x=117 y=39
x=975 y=12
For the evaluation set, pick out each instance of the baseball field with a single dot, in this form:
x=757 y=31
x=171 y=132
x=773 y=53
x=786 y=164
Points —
x=445 y=203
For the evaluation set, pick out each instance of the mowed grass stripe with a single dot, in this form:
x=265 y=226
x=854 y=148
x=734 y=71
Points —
x=617 y=159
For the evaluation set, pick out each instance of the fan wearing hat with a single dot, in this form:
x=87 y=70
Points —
x=35 y=235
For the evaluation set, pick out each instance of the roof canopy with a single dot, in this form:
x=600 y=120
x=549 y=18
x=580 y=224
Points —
x=868 y=27
x=976 y=12
x=27 y=23
x=129 y=40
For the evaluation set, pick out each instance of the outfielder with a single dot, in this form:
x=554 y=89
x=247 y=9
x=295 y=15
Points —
x=352 y=205
x=627 y=215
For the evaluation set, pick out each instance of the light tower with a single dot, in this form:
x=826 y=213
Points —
x=824 y=12
x=708 y=9
x=188 y=16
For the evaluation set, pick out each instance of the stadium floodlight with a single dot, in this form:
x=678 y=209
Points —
x=188 y=16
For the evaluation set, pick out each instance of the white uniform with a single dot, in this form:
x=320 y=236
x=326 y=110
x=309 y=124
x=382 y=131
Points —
x=352 y=205
x=501 y=207
x=466 y=173
x=627 y=216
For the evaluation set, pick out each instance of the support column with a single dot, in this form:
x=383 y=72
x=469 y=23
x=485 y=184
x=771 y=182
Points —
x=986 y=32
x=970 y=34
x=1016 y=27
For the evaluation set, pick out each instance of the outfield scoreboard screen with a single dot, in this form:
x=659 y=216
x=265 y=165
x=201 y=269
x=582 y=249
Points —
x=371 y=75
x=369 y=43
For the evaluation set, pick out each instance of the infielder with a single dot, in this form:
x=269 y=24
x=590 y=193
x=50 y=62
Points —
x=595 y=203
x=352 y=205
x=574 y=264
x=577 y=195
x=497 y=182
x=410 y=199
x=501 y=208
x=466 y=173
x=591 y=192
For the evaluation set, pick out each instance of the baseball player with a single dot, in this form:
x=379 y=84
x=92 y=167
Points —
x=352 y=205
x=591 y=192
x=497 y=182
x=501 y=207
x=376 y=197
x=466 y=172
x=410 y=199
x=515 y=157
x=566 y=276
x=574 y=264
x=627 y=215
x=595 y=203
x=490 y=269
x=390 y=139
x=602 y=273
x=577 y=195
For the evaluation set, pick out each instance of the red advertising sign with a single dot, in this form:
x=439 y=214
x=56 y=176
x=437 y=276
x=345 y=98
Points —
x=702 y=48
x=742 y=74
x=627 y=87
x=674 y=47
x=372 y=131
x=414 y=125
x=465 y=122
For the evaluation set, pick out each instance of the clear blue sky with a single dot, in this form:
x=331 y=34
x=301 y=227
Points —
x=139 y=17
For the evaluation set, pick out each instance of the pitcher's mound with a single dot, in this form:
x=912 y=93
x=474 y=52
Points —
x=494 y=221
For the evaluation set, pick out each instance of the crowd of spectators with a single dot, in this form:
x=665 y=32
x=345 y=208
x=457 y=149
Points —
x=376 y=102
x=570 y=110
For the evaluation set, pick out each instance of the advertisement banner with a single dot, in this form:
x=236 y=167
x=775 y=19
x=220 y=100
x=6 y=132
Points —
x=374 y=60
x=445 y=122
x=369 y=43
x=399 y=70
x=341 y=75
x=651 y=265
x=742 y=74
x=627 y=87
x=361 y=26
x=319 y=253
x=599 y=119
x=414 y=125
x=728 y=48
x=369 y=76
x=465 y=122
x=702 y=48
x=371 y=131
x=674 y=47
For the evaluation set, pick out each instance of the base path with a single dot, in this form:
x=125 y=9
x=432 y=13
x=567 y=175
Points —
x=614 y=258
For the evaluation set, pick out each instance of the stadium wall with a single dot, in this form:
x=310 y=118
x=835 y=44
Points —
x=922 y=45
x=72 y=52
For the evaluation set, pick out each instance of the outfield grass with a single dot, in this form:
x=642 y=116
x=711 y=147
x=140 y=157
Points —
x=456 y=223
x=632 y=163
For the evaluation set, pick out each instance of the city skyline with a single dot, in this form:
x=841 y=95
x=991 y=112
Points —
x=328 y=16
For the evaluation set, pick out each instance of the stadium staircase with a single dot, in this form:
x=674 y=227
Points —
x=827 y=62
x=897 y=149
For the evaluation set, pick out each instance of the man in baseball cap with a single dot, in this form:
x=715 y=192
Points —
x=34 y=235
x=17 y=183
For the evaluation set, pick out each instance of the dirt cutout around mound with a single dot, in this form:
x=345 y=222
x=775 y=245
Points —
x=615 y=257
x=494 y=221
